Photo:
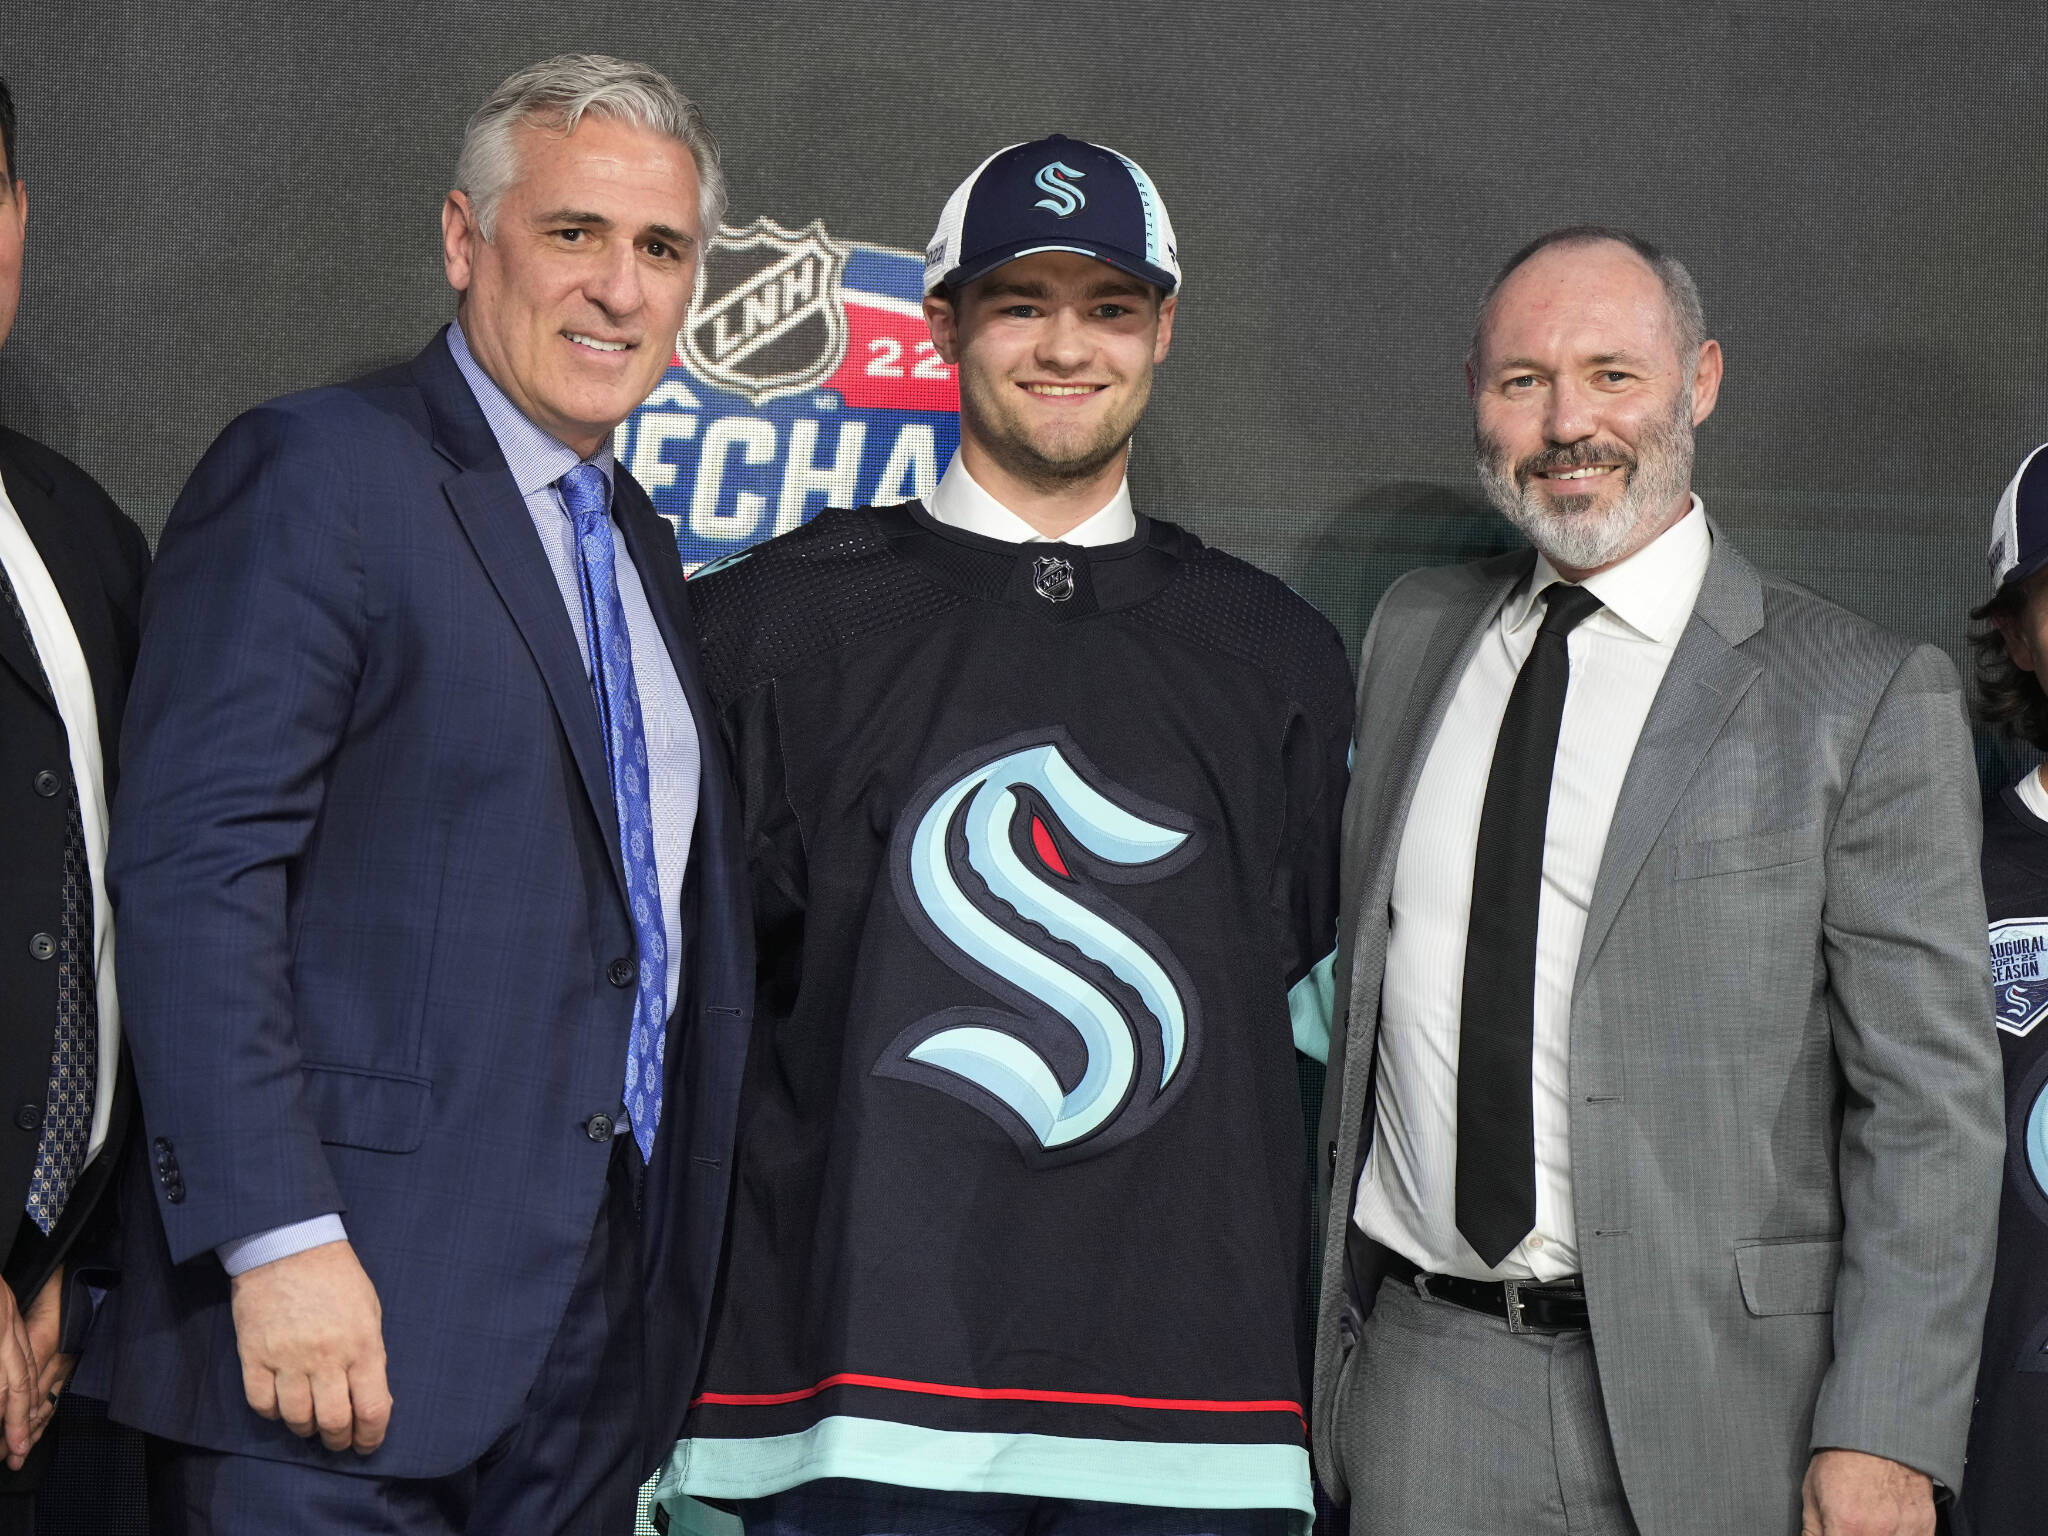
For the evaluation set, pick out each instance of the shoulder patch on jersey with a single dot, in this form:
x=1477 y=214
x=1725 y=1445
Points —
x=2019 y=973
x=802 y=594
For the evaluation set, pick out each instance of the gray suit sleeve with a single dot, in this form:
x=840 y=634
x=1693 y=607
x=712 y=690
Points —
x=1920 y=1141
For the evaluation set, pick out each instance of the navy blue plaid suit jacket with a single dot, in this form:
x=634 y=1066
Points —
x=366 y=864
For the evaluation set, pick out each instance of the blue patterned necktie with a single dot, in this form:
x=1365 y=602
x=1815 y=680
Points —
x=586 y=494
x=74 y=1050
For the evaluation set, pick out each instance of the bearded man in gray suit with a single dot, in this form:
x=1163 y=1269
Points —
x=1664 y=1127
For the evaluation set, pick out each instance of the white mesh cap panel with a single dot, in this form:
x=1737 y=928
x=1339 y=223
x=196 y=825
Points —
x=1160 y=248
x=2004 y=552
x=943 y=254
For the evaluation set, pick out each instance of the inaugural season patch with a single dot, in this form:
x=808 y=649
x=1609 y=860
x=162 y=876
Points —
x=803 y=379
x=2019 y=972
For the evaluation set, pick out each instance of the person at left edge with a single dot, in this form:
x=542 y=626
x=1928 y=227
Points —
x=2003 y=1494
x=432 y=920
x=71 y=570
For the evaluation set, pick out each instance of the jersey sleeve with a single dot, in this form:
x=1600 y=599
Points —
x=774 y=843
x=1304 y=898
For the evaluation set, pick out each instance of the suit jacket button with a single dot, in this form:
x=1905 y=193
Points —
x=47 y=784
x=598 y=1128
x=620 y=972
x=42 y=946
x=29 y=1117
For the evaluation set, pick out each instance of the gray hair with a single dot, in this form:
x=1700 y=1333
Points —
x=555 y=95
x=1688 y=315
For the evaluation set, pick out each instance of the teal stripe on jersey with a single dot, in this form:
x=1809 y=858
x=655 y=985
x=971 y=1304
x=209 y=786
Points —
x=1310 y=1002
x=1043 y=1466
x=686 y=1517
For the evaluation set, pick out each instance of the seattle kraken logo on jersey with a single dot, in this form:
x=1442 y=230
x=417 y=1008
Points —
x=1067 y=199
x=1000 y=864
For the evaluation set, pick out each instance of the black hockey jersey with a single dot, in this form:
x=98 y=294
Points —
x=1044 y=850
x=2003 y=1492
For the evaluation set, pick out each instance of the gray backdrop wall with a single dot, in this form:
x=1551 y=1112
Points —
x=238 y=198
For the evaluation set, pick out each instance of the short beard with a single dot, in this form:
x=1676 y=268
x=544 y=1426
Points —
x=1568 y=529
x=1003 y=438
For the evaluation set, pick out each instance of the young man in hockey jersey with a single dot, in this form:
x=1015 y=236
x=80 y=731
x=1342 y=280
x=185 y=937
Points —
x=2009 y=1427
x=1042 y=797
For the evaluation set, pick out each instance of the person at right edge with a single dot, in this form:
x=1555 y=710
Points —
x=1662 y=1122
x=1041 y=802
x=2005 y=1493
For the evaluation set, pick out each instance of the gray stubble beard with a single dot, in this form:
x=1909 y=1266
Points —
x=1565 y=528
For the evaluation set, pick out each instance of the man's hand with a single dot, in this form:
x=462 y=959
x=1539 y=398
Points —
x=53 y=1371
x=311 y=1336
x=23 y=1408
x=1851 y=1493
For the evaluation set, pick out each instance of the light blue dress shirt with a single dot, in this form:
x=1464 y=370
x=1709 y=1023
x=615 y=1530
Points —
x=537 y=461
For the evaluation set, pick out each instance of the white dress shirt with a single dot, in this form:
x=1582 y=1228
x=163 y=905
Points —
x=2033 y=794
x=1407 y=1194
x=71 y=685
x=960 y=502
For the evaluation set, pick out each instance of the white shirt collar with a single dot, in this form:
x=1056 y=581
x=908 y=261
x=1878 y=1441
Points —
x=1652 y=591
x=960 y=502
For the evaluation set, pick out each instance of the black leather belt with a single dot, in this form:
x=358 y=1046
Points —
x=1527 y=1306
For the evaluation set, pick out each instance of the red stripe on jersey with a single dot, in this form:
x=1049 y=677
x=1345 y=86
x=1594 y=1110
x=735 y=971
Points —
x=1004 y=1394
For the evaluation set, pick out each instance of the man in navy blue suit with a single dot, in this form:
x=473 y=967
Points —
x=434 y=951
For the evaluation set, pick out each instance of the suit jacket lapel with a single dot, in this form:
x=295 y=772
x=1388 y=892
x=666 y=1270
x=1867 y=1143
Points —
x=493 y=514
x=1447 y=651
x=84 y=601
x=1436 y=660
x=652 y=546
x=15 y=649
x=1707 y=678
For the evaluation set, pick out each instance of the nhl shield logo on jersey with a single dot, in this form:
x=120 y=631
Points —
x=2019 y=973
x=767 y=319
x=1053 y=578
x=804 y=378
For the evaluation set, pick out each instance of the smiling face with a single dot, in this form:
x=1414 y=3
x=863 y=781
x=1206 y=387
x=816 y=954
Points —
x=1584 y=407
x=573 y=306
x=1055 y=352
x=13 y=232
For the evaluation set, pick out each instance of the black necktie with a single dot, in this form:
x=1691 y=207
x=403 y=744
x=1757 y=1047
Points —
x=1497 y=1019
x=74 y=1049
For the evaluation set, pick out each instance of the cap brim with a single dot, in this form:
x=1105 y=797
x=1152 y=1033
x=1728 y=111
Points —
x=2022 y=571
x=984 y=262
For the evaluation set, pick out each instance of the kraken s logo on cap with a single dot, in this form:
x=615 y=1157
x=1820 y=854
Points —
x=1002 y=865
x=1066 y=199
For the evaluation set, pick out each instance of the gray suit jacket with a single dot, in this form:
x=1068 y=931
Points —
x=1785 y=1096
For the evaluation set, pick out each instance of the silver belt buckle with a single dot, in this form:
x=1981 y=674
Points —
x=1512 y=1289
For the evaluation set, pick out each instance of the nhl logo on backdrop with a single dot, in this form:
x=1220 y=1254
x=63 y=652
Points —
x=805 y=377
x=767 y=319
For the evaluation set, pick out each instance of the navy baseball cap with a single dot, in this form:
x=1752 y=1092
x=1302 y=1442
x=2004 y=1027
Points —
x=2019 y=528
x=1057 y=194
